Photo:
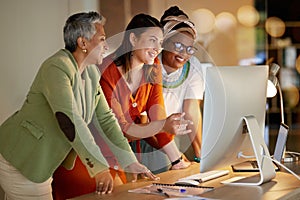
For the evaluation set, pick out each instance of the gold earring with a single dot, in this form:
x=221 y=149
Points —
x=84 y=50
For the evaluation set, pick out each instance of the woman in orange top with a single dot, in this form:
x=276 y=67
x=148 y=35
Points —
x=132 y=84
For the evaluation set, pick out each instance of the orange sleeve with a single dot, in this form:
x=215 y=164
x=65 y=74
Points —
x=156 y=106
x=108 y=83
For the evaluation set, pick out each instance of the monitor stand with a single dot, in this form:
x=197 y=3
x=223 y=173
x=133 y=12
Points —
x=262 y=155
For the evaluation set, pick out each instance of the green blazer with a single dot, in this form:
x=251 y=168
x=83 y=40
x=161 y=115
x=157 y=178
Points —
x=31 y=139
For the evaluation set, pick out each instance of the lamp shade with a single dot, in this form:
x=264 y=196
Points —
x=272 y=80
x=271 y=89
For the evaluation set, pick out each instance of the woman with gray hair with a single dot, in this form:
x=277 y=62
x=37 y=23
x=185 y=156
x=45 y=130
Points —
x=51 y=128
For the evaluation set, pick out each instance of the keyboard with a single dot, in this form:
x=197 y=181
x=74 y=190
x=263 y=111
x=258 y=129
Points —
x=206 y=176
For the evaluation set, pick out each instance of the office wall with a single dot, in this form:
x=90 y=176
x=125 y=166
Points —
x=31 y=30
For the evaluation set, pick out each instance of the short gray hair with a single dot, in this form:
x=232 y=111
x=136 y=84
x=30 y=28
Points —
x=80 y=25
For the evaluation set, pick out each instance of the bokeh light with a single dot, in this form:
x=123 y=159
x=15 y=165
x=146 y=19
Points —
x=275 y=27
x=204 y=20
x=248 y=16
x=225 y=21
x=291 y=96
x=298 y=64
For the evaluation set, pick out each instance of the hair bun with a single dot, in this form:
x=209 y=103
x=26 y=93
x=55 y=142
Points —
x=172 y=11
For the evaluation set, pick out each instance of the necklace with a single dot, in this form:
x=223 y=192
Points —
x=169 y=83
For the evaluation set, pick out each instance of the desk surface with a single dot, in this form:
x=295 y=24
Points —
x=284 y=186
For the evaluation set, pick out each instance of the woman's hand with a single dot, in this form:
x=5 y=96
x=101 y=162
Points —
x=104 y=182
x=137 y=168
x=177 y=125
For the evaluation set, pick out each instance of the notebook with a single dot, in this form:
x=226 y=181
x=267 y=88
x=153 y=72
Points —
x=252 y=166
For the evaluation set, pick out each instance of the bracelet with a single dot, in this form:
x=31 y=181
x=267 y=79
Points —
x=196 y=159
x=176 y=161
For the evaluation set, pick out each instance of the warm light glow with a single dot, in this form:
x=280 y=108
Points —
x=248 y=16
x=275 y=26
x=291 y=96
x=204 y=20
x=225 y=21
x=298 y=64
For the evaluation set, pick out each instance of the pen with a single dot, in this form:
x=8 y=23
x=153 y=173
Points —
x=180 y=190
x=161 y=191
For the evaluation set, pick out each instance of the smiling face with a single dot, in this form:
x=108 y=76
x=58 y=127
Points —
x=96 y=46
x=177 y=51
x=147 y=46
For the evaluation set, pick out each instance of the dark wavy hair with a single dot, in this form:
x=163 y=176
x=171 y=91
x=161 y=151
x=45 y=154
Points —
x=138 y=25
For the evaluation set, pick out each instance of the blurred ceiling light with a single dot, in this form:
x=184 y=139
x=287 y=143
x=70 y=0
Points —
x=225 y=21
x=204 y=20
x=248 y=16
x=275 y=27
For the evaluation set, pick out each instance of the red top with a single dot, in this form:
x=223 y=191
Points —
x=126 y=106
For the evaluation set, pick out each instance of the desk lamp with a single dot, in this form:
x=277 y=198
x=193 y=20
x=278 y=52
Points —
x=273 y=86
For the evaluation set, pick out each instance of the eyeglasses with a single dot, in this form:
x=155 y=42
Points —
x=179 y=47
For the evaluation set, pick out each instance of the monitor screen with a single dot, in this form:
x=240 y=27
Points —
x=231 y=93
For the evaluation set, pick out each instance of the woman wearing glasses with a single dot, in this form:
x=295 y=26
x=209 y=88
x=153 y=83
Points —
x=183 y=83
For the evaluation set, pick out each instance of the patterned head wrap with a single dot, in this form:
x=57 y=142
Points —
x=173 y=21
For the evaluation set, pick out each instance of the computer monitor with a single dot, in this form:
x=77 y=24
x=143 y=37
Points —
x=234 y=118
